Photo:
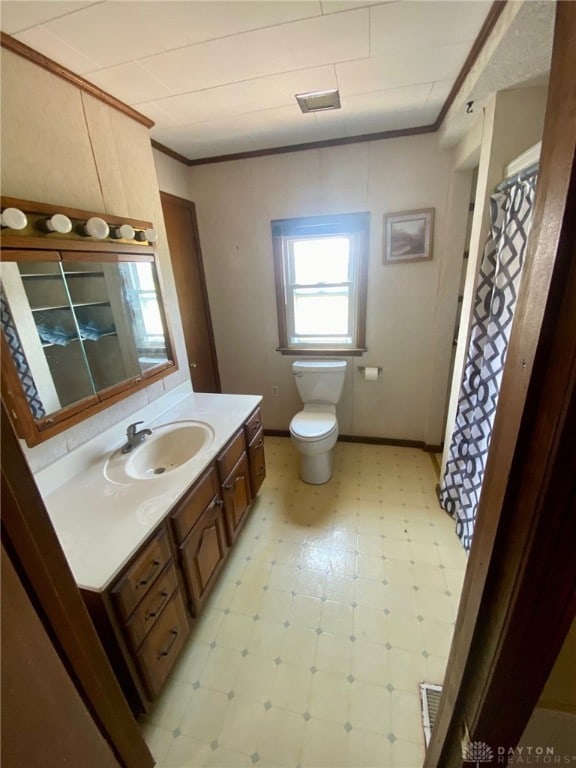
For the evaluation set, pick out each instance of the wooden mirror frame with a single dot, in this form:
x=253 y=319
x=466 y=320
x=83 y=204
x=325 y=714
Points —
x=26 y=246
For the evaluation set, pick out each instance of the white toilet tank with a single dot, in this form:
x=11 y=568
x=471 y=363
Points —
x=319 y=381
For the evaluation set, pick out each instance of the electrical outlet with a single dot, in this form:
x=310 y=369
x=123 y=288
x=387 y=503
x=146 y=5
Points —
x=275 y=390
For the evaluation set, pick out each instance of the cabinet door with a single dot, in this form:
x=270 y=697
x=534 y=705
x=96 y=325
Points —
x=203 y=552
x=237 y=497
x=257 y=462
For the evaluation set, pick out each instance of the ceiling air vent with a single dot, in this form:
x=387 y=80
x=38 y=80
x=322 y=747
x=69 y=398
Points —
x=318 y=101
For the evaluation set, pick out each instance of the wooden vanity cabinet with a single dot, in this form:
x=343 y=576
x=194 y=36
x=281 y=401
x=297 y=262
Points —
x=199 y=530
x=257 y=462
x=142 y=621
x=235 y=477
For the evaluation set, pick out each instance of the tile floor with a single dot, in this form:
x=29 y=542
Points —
x=336 y=602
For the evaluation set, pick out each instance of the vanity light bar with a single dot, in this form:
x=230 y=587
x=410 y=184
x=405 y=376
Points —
x=58 y=223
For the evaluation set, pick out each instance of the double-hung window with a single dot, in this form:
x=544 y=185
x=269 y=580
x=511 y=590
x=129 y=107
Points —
x=320 y=264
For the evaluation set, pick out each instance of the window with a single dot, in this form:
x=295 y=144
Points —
x=321 y=264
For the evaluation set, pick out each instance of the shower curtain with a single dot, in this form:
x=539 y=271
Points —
x=494 y=304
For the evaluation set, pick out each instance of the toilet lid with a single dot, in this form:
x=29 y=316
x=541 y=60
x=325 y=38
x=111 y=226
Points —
x=311 y=425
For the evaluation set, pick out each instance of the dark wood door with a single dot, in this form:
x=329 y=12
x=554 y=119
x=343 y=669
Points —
x=203 y=553
x=186 y=256
x=237 y=497
x=45 y=722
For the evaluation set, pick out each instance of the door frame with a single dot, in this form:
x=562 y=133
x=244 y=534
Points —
x=191 y=208
x=35 y=551
x=519 y=594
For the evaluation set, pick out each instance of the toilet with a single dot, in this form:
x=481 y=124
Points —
x=314 y=430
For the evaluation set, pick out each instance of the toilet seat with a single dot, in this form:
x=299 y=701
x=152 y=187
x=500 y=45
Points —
x=313 y=425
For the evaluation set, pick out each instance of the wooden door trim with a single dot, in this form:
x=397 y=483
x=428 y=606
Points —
x=518 y=599
x=28 y=534
x=190 y=206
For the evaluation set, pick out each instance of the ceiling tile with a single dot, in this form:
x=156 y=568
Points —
x=299 y=45
x=337 y=6
x=355 y=77
x=18 y=15
x=248 y=96
x=409 y=26
x=130 y=83
x=42 y=40
x=112 y=32
x=427 y=64
x=439 y=93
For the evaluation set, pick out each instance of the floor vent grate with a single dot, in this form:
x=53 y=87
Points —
x=430 y=697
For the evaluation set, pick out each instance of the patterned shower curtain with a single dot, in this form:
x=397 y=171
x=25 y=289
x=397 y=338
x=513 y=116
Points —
x=494 y=304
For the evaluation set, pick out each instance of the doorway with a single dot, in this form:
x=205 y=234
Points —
x=186 y=256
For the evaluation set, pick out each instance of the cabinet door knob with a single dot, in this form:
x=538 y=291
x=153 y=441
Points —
x=227 y=487
x=219 y=502
x=193 y=365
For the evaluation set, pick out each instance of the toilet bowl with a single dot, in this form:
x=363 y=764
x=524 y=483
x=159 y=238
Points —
x=314 y=430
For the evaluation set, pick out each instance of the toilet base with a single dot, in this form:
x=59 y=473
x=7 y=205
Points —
x=316 y=469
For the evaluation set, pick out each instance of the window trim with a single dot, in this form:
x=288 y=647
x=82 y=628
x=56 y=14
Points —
x=358 y=223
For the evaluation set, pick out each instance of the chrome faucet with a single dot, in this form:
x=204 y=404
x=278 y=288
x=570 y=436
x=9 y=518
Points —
x=134 y=438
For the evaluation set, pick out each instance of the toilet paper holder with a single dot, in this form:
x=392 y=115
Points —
x=362 y=368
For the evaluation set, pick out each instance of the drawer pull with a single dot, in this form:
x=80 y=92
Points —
x=146 y=580
x=228 y=487
x=256 y=425
x=219 y=502
x=240 y=477
x=166 y=651
x=152 y=614
x=260 y=471
x=260 y=443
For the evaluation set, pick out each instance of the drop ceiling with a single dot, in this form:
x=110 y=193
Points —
x=221 y=77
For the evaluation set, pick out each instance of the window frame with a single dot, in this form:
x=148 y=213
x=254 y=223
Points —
x=284 y=232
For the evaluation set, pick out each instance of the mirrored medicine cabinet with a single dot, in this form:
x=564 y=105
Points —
x=83 y=326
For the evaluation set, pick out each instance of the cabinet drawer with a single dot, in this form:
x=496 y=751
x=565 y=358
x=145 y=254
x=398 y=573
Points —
x=253 y=425
x=194 y=504
x=152 y=605
x=143 y=572
x=257 y=462
x=163 y=644
x=230 y=455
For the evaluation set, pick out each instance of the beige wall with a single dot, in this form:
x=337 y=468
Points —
x=62 y=146
x=411 y=307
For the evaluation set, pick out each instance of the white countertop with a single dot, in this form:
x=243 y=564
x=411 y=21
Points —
x=101 y=524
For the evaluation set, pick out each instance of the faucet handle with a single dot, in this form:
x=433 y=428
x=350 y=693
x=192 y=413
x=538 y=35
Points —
x=131 y=431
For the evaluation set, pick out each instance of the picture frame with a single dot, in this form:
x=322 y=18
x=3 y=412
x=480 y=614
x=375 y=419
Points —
x=408 y=236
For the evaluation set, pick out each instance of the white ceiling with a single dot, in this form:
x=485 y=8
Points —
x=219 y=77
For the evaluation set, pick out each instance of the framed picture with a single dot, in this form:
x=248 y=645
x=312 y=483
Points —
x=408 y=236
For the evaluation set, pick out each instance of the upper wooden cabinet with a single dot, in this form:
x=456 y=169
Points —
x=83 y=324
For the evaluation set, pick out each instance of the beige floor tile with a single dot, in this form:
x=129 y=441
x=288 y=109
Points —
x=309 y=582
x=305 y=611
x=204 y=713
x=207 y=626
x=282 y=738
x=299 y=646
x=283 y=577
x=276 y=605
x=398 y=549
x=221 y=669
x=334 y=654
x=423 y=553
x=368 y=750
x=170 y=705
x=339 y=588
x=235 y=631
x=186 y=752
x=325 y=745
x=329 y=697
x=437 y=636
x=453 y=556
x=159 y=740
x=370 y=544
x=246 y=599
x=337 y=618
x=454 y=578
x=370 y=624
x=370 y=567
x=400 y=572
x=406 y=633
x=242 y=726
x=266 y=639
x=192 y=661
x=407 y=669
x=427 y=576
x=345 y=539
x=256 y=679
x=405 y=715
x=225 y=758
x=402 y=599
x=292 y=688
x=433 y=604
x=407 y=754
x=370 y=593
x=370 y=707
x=436 y=669
x=255 y=572
x=222 y=595
x=370 y=662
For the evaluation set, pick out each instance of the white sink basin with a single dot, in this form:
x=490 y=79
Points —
x=168 y=448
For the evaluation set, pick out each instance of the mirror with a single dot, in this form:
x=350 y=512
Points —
x=78 y=328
